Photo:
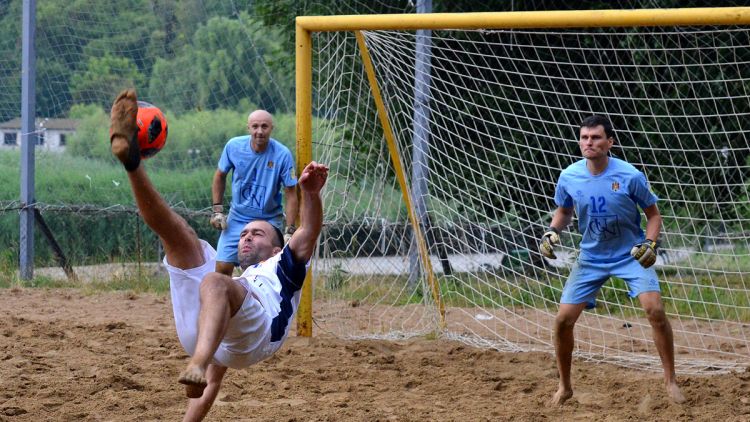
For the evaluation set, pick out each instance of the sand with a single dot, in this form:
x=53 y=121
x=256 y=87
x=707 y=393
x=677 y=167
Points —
x=69 y=355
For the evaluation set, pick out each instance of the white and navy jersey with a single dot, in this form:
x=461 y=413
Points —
x=276 y=283
x=607 y=207
x=260 y=326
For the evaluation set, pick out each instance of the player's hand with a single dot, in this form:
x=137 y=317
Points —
x=218 y=219
x=288 y=232
x=549 y=240
x=645 y=253
x=313 y=177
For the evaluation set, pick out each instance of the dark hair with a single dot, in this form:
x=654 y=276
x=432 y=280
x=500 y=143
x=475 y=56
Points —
x=597 y=120
x=279 y=241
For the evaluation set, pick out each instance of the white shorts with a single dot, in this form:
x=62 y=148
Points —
x=247 y=340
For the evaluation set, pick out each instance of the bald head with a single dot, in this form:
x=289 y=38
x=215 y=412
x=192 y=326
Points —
x=260 y=126
x=260 y=115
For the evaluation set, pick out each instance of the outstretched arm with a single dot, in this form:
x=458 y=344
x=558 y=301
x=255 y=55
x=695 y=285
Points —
x=311 y=181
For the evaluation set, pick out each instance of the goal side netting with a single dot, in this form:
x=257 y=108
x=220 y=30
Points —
x=483 y=122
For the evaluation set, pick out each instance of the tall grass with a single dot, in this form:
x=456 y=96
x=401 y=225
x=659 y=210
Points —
x=93 y=214
x=64 y=179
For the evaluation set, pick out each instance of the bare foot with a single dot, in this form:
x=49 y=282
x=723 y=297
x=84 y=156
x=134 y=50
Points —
x=674 y=393
x=194 y=378
x=194 y=391
x=561 y=396
x=124 y=129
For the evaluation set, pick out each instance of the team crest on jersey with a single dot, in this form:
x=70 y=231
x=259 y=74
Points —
x=270 y=164
x=615 y=186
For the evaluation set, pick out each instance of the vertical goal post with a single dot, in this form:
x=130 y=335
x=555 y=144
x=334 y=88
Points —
x=307 y=25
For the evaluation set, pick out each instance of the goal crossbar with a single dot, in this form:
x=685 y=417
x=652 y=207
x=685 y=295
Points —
x=518 y=20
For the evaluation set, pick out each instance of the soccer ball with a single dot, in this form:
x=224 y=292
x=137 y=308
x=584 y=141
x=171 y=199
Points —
x=152 y=129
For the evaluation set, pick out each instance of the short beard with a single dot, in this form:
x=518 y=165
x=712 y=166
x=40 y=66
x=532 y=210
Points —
x=249 y=259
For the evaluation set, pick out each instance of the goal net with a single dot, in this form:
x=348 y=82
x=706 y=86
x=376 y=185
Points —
x=482 y=123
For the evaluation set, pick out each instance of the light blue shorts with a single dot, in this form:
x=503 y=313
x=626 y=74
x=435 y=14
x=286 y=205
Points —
x=226 y=250
x=588 y=277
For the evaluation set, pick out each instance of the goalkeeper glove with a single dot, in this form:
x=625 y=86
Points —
x=290 y=229
x=644 y=253
x=218 y=219
x=549 y=240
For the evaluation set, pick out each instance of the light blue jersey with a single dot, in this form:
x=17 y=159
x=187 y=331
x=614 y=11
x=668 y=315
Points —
x=606 y=206
x=257 y=178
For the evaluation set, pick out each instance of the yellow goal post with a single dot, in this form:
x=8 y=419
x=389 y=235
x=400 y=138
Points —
x=307 y=25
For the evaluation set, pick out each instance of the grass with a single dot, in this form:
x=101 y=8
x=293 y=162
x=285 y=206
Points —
x=718 y=298
x=156 y=285
x=461 y=290
x=133 y=283
x=736 y=258
x=723 y=298
x=64 y=179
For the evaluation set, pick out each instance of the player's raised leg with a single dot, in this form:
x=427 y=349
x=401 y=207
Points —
x=181 y=244
x=664 y=340
x=565 y=322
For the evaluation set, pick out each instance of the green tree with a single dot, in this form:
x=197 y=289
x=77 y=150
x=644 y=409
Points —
x=89 y=141
x=103 y=78
x=196 y=139
x=227 y=61
x=10 y=64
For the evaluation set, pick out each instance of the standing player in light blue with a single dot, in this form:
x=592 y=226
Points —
x=260 y=166
x=605 y=193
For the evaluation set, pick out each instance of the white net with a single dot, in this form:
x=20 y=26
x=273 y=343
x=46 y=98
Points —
x=495 y=124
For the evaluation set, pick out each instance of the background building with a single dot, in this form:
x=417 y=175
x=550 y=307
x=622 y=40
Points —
x=53 y=133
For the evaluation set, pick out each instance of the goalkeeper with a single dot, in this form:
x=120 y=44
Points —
x=222 y=321
x=606 y=193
